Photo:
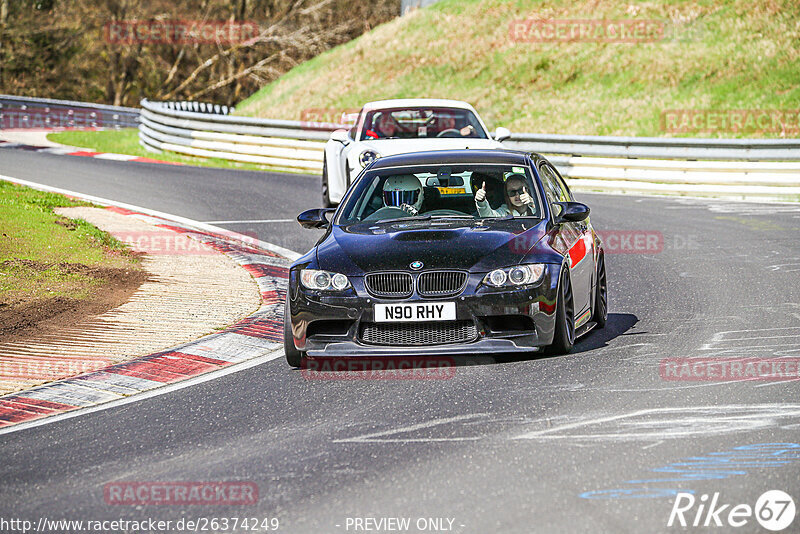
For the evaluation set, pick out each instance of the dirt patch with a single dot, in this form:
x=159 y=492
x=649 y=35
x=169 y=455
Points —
x=21 y=319
x=69 y=224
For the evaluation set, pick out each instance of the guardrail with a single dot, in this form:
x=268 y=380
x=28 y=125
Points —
x=728 y=167
x=19 y=112
x=277 y=143
x=659 y=147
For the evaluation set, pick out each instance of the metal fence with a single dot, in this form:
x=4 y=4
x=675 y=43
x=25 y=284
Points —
x=718 y=167
x=27 y=113
x=728 y=167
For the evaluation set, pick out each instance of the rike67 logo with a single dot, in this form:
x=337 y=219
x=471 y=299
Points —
x=774 y=510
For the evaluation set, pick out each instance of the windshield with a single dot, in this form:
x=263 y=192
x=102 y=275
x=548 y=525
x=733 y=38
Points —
x=415 y=123
x=421 y=192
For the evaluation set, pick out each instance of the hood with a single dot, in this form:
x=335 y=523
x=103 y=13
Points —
x=438 y=244
x=390 y=147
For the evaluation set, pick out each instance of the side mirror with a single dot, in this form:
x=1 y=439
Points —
x=501 y=134
x=341 y=136
x=572 y=212
x=315 y=219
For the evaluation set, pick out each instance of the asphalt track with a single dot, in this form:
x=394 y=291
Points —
x=593 y=441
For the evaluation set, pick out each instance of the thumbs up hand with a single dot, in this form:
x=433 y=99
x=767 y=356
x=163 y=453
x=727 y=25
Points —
x=480 y=194
x=525 y=197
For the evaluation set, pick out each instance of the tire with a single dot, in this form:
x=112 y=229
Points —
x=564 y=335
x=294 y=357
x=600 y=312
x=326 y=193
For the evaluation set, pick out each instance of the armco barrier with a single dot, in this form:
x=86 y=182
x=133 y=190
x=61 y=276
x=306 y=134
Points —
x=277 y=143
x=766 y=168
x=28 y=112
x=659 y=147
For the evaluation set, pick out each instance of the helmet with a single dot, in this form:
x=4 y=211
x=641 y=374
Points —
x=403 y=189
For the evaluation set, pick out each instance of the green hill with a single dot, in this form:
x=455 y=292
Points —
x=710 y=55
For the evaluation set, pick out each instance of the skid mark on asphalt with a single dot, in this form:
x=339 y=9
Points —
x=656 y=424
x=777 y=341
x=671 y=423
x=742 y=208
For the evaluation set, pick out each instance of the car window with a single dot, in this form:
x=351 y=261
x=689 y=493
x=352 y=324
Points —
x=416 y=123
x=561 y=182
x=550 y=186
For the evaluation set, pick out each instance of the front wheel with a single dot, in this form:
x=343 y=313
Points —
x=600 y=314
x=564 y=335
x=294 y=357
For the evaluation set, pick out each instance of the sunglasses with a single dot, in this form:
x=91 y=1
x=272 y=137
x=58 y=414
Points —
x=515 y=192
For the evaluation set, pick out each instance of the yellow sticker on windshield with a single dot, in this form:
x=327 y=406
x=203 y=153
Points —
x=451 y=190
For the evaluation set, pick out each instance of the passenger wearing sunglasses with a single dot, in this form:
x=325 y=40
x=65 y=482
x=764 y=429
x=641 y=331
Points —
x=519 y=202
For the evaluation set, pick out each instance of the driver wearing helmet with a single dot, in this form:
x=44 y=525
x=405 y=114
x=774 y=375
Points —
x=403 y=191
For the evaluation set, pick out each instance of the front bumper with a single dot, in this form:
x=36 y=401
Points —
x=507 y=321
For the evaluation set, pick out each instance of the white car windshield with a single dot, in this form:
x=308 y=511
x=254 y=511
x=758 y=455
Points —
x=415 y=123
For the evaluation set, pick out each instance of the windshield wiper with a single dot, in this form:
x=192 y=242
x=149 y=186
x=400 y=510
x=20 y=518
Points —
x=399 y=219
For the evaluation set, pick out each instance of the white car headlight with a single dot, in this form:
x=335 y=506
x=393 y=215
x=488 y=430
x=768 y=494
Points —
x=519 y=275
x=367 y=157
x=323 y=280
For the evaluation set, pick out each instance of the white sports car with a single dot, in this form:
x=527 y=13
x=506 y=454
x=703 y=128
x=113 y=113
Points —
x=389 y=127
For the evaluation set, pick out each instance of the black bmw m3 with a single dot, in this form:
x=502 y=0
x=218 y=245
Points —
x=445 y=253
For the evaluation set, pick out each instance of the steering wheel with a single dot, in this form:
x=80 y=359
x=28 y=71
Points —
x=449 y=131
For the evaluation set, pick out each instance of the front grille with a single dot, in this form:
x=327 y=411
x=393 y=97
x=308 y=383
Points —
x=400 y=334
x=390 y=285
x=441 y=283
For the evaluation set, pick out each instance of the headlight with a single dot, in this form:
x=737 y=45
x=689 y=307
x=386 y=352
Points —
x=323 y=280
x=520 y=275
x=367 y=157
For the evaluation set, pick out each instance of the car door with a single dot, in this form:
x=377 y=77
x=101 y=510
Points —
x=575 y=242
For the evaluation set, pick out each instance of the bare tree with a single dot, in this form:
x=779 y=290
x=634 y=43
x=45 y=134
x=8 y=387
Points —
x=61 y=48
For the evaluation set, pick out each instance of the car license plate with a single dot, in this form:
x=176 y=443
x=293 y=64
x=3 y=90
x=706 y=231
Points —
x=417 y=311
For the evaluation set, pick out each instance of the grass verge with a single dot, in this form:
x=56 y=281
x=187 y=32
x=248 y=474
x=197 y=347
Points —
x=44 y=256
x=713 y=55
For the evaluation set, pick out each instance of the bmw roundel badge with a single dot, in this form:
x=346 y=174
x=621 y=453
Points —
x=416 y=265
